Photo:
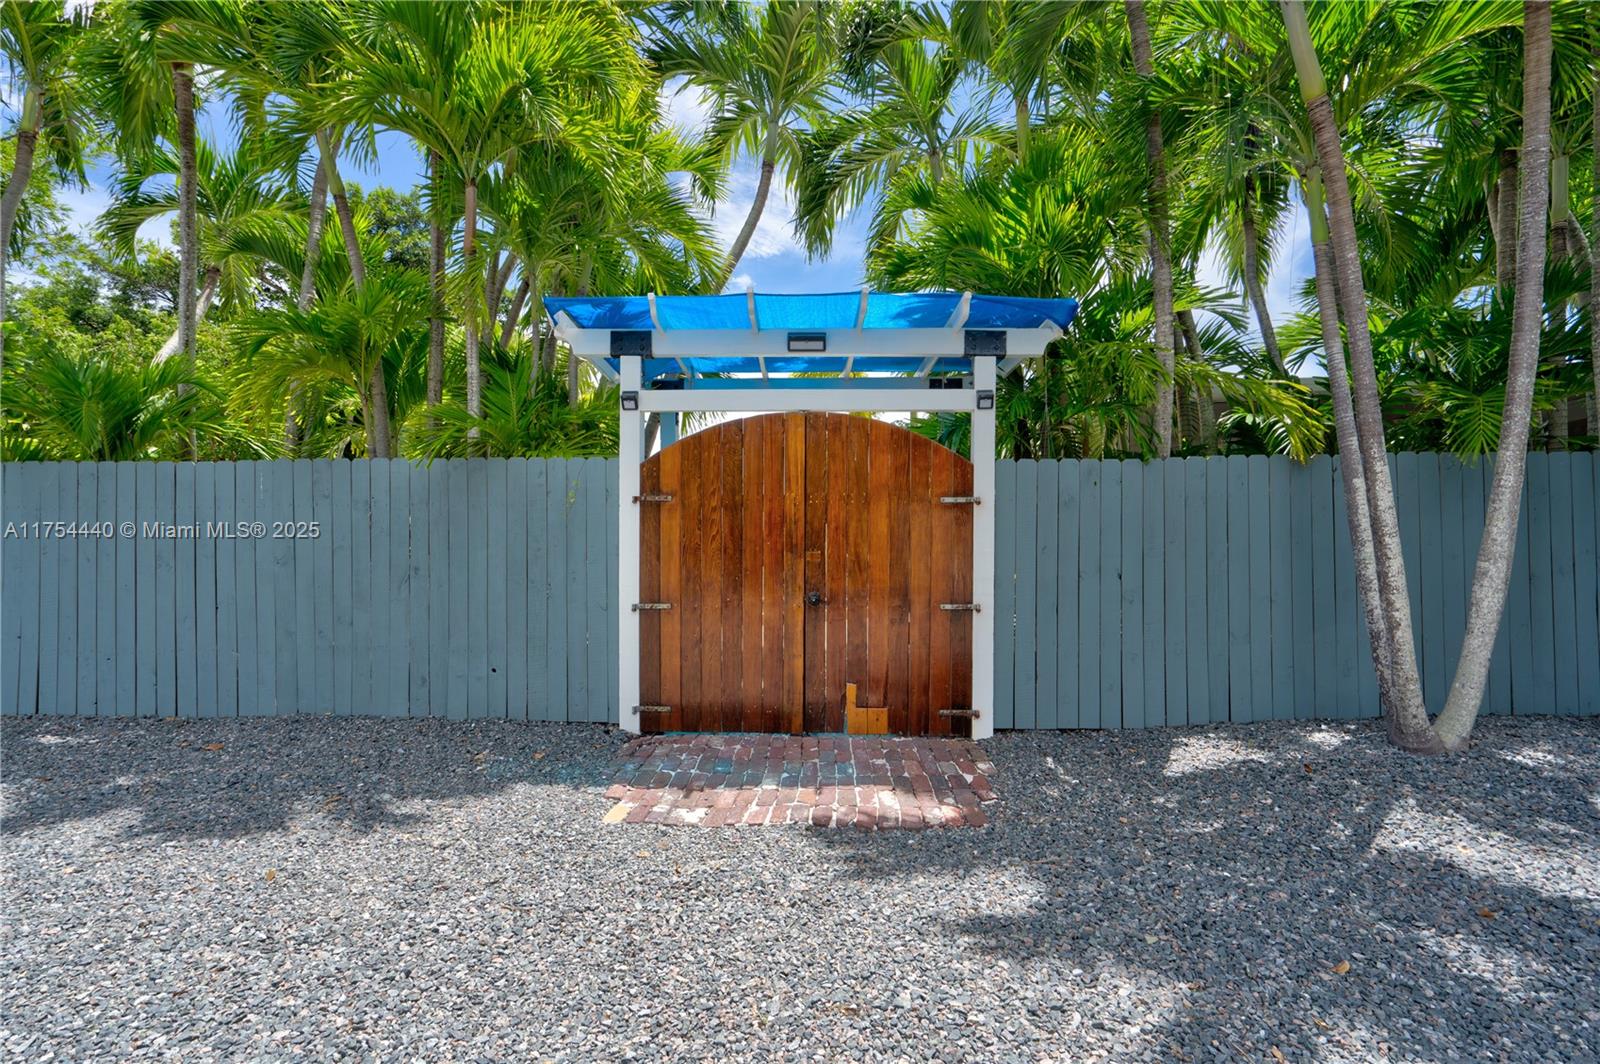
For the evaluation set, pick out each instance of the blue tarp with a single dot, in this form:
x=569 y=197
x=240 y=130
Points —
x=822 y=311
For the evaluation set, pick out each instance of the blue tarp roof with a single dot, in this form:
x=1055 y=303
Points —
x=820 y=311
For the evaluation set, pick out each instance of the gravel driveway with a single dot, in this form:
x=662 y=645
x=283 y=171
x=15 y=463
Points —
x=339 y=889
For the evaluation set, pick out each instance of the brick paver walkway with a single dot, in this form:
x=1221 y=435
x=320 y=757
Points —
x=837 y=781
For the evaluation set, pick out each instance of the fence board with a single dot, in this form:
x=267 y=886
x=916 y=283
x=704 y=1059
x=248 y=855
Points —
x=1347 y=631
x=516 y=577
x=572 y=535
x=1586 y=583
x=1280 y=587
x=341 y=527
x=205 y=589
x=1173 y=554
x=1197 y=623
x=1324 y=486
x=555 y=596
x=20 y=557
x=1260 y=548
x=1064 y=711
x=539 y=698
x=496 y=491
x=305 y=607
x=1005 y=594
x=1152 y=531
x=1111 y=532
x=613 y=678
x=1456 y=569
x=84 y=549
x=598 y=562
x=377 y=617
x=247 y=613
x=1090 y=525
x=1563 y=592
x=419 y=591
x=456 y=707
x=1217 y=596
x=1046 y=569
x=397 y=661
x=1541 y=592
x=228 y=597
x=1026 y=520
x=439 y=603
x=322 y=547
x=1241 y=697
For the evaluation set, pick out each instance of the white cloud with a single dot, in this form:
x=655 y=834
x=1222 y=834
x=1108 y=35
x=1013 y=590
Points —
x=739 y=282
x=685 y=107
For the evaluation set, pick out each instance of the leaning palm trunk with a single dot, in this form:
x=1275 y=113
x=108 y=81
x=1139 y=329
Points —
x=1252 y=280
x=1160 y=263
x=1400 y=685
x=1351 y=470
x=1505 y=248
x=208 y=295
x=514 y=315
x=436 y=256
x=1492 y=574
x=318 y=211
x=1594 y=266
x=377 y=398
x=748 y=230
x=22 y=166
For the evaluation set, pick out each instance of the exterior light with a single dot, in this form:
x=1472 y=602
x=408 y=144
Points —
x=808 y=341
x=630 y=400
x=985 y=399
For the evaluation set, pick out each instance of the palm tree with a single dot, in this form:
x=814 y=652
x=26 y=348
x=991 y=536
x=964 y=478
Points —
x=475 y=85
x=1160 y=252
x=40 y=42
x=767 y=69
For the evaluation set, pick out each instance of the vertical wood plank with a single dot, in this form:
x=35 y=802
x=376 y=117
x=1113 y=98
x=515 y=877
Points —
x=497 y=509
x=439 y=510
x=1324 y=475
x=183 y=590
x=301 y=547
x=1541 y=587
x=1456 y=570
x=1197 y=621
x=380 y=525
x=105 y=603
x=1349 y=629
x=557 y=619
x=127 y=589
x=1069 y=508
x=1432 y=626
x=1586 y=581
x=341 y=519
x=459 y=548
x=363 y=698
x=398 y=606
x=1219 y=579
x=1408 y=504
x=1564 y=654
x=613 y=634
x=1026 y=519
x=837 y=564
x=1110 y=619
x=1280 y=560
x=1518 y=619
x=248 y=662
x=1091 y=503
x=1497 y=695
x=282 y=510
x=1047 y=552
x=1005 y=593
x=576 y=535
x=230 y=601
x=50 y=490
x=710 y=522
x=1132 y=562
x=794 y=589
x=420 y=591
x=85 y=553
x=1260 y=578
x=21 y=588
x=1152 y=532
x=166 y=586
x=1174 y=555
x=540 y=706
x=205 y=588
x=670 y=557
x=1241 y=695
x=516 y=578
x=595 y=589
x=322 y=585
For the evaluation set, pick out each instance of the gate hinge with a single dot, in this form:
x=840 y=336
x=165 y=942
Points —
x=961 y=500
x=652 y=709
x=637 y=606
x=961 y=607
x=959 y=713
x=652 y=498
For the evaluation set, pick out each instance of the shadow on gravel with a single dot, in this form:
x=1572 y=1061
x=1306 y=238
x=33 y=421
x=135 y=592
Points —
x=225 y=779
x=1235 y=869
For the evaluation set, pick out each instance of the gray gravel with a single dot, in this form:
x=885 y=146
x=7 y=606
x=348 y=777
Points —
x=340 y=889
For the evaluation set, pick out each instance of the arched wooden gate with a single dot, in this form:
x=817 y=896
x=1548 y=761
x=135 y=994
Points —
x=787 y=555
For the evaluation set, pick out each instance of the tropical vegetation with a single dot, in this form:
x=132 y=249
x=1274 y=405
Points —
x=1158 y=161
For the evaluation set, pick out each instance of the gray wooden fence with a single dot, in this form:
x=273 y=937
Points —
x=1221 y=589
x=1130 y=594
x=459 y=589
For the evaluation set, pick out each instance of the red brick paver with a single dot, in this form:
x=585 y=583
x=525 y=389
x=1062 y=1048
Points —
x=837 y=781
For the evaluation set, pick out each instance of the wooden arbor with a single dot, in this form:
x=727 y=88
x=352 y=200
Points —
x=848 y=352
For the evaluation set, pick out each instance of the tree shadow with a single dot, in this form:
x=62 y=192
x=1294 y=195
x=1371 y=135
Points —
x=1227 y=874
x=229 y=779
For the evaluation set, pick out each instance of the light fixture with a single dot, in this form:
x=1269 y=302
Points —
x=630 y=400
x=985 y=399
x=808 y=341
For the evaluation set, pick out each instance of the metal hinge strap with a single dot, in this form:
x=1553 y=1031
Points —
x=961 y=500
x=652 y=498
x=652 y=709
x=638 y=606
x=959 y=713
x=961 y=607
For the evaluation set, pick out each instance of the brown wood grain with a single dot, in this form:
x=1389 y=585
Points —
x=834 y=678
x=815 y=580
x=939 y=644
x=750 y=509
x=671 y=567
x=650 y=692
x=794 y=541
x=919 y=546
x=731 y=691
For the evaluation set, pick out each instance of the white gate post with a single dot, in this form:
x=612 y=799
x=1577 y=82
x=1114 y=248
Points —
x=983 y=517
x=630 y=454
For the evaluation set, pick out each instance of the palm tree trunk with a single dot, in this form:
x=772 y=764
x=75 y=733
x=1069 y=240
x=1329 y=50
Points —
x=748 y=230
x=1562 y=247
x=1160 y=264
x=22 y=164
x=208 y=294
x=1400 y=685
x=1594 y=265
x=1505 y=249
x=436 y=257
x=1252 y=279
x=514 y=315
x=469 y=252
x=1351 y=470
x=318 y=213
x=188 y=233
x=378 y=433
x=1492 y=574
x=1023 y=123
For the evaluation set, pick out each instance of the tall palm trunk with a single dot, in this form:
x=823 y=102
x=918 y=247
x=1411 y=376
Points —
x=1594 y=264
x=1252 y=278
x=1400 y=685
x=1492 y=574
x=188 y=178
x=1160 y=263
x=22 y=164
x=377 y=406
x=514 y=315
x=436 y=257
x=469 y=252
x=318 y=213
x=208 y=295
x=1024 y=122
x=748 y=230
x=1351 y=469
x=1505 y=248
x=1562 y=247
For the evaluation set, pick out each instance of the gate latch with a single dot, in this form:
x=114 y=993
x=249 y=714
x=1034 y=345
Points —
x=637 y=606
x=652 y=498
x=961 y=500
x=652 y=709
x=972 y=713
x=961 y=607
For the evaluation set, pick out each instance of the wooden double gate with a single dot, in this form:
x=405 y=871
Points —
x=788 y=555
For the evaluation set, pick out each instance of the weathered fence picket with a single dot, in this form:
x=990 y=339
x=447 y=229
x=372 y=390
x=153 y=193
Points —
x=1127 y=594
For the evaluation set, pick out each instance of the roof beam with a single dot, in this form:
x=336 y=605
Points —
x=867 y=343
x=958 y=317
x=861 y=310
